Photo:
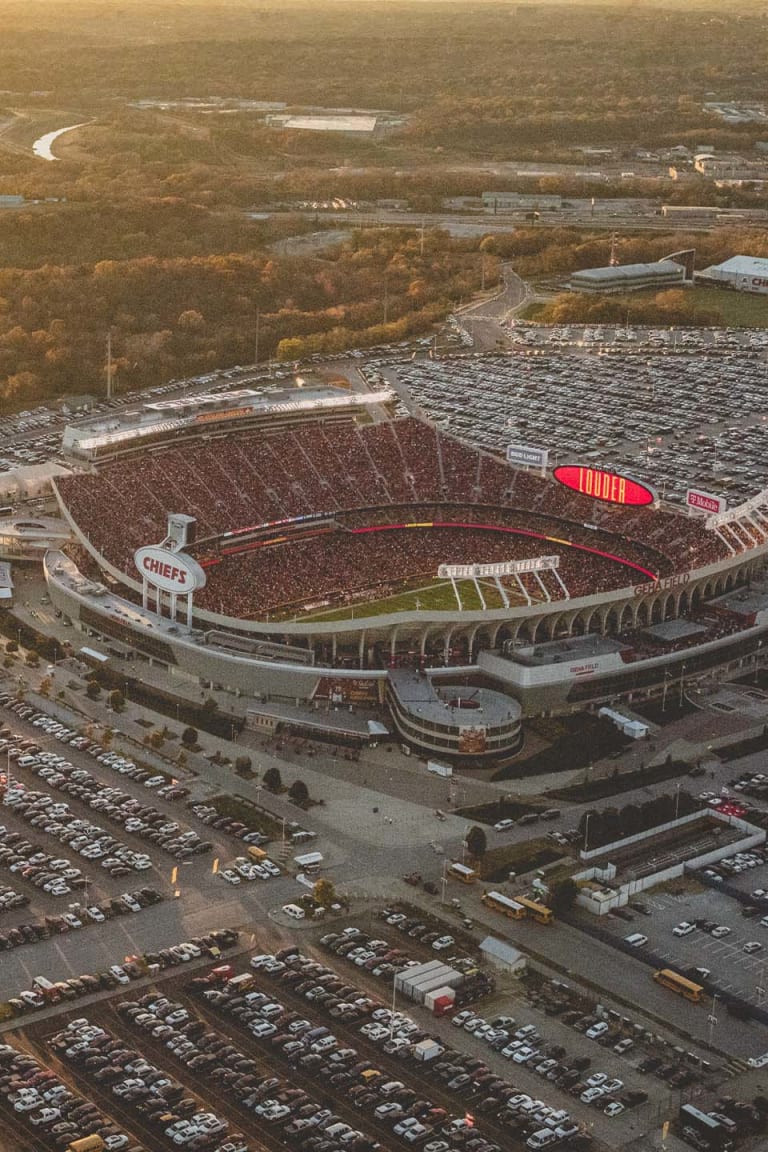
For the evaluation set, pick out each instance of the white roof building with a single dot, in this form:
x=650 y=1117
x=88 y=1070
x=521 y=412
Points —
x=743 y=273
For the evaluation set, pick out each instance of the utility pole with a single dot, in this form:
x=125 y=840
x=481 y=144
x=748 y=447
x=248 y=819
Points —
x=256 y=340
x=421 y=239
x=386 y=301
x=109 y=364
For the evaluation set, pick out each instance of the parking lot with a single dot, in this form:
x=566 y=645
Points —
x=722 y=956
x=692 y=417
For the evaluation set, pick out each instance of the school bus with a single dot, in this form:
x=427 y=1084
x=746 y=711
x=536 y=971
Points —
x=538 y=912
x=462 y=873
x=677 y=983
x=501 y=903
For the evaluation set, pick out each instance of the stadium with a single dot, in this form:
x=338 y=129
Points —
x=309 y=543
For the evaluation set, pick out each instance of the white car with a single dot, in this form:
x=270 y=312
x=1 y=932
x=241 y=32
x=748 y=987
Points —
x=230 y=876
x=683 y=928
x=95 y=915
x=503 y=825
x=614 y=1109
x=119 y=974
x=596 y=1030
x=442 y=943
x=591 y=1095
x=721 y=931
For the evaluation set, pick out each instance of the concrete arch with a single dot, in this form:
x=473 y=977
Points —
x=626 y=617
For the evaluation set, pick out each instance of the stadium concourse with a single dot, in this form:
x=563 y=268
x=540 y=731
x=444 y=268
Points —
x=333 y=514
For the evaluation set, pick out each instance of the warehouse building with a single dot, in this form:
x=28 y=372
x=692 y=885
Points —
x=628 y=277
x=742 y=273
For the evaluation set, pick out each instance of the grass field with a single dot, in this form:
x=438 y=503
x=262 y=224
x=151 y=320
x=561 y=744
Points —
x=435 y=596
x=736 y=309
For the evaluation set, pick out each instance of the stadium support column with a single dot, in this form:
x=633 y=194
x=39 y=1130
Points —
x=361 y=653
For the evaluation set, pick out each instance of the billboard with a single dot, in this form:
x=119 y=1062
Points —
x=704 y=501
x=173 y=572
x=527 y=457
x=506 y=568
x=611 y=487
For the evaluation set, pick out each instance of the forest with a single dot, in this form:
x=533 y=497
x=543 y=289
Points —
x=177 y=316
x=147 y=226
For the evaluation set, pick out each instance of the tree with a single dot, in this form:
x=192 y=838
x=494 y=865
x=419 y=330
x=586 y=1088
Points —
x=45 y=686
x=189 y=737
x=273 y=780
x=93 y=690
x=562 y=895
x=116 y=700
x=324 y=893
x=11 y=646
x=156 y=739
x=243 y=764
x=299 y=792
x=107 y=737
x=477 y=841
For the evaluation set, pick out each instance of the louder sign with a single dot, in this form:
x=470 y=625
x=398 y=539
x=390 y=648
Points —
x=610 y=487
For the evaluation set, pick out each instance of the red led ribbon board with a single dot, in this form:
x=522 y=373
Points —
x=607 y=486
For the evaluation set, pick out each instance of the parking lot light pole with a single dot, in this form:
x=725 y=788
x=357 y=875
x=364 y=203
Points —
x=712 y=1019
x=586 y=831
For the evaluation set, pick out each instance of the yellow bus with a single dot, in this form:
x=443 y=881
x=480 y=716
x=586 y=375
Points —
x=677 y=983
x=462 y=873
x=501 y=903
x=538 y=912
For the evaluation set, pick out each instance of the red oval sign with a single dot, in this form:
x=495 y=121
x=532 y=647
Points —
x=608 y=486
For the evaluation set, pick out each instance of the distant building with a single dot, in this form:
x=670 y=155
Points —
x=348 y=125
x=518 y=201
x=734 y=169
x=628 y=277
x=742 y=273
x=11 y=201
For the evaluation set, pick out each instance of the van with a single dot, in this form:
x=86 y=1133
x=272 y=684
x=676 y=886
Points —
x=636 y=940
x=294 y=911
x=529 y=818
x=256 y=853
x=541 y=1139
x=87 y=1144
x=551 y=814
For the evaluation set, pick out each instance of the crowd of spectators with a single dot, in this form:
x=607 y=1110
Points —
x=390 y=467
x=346 y=567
